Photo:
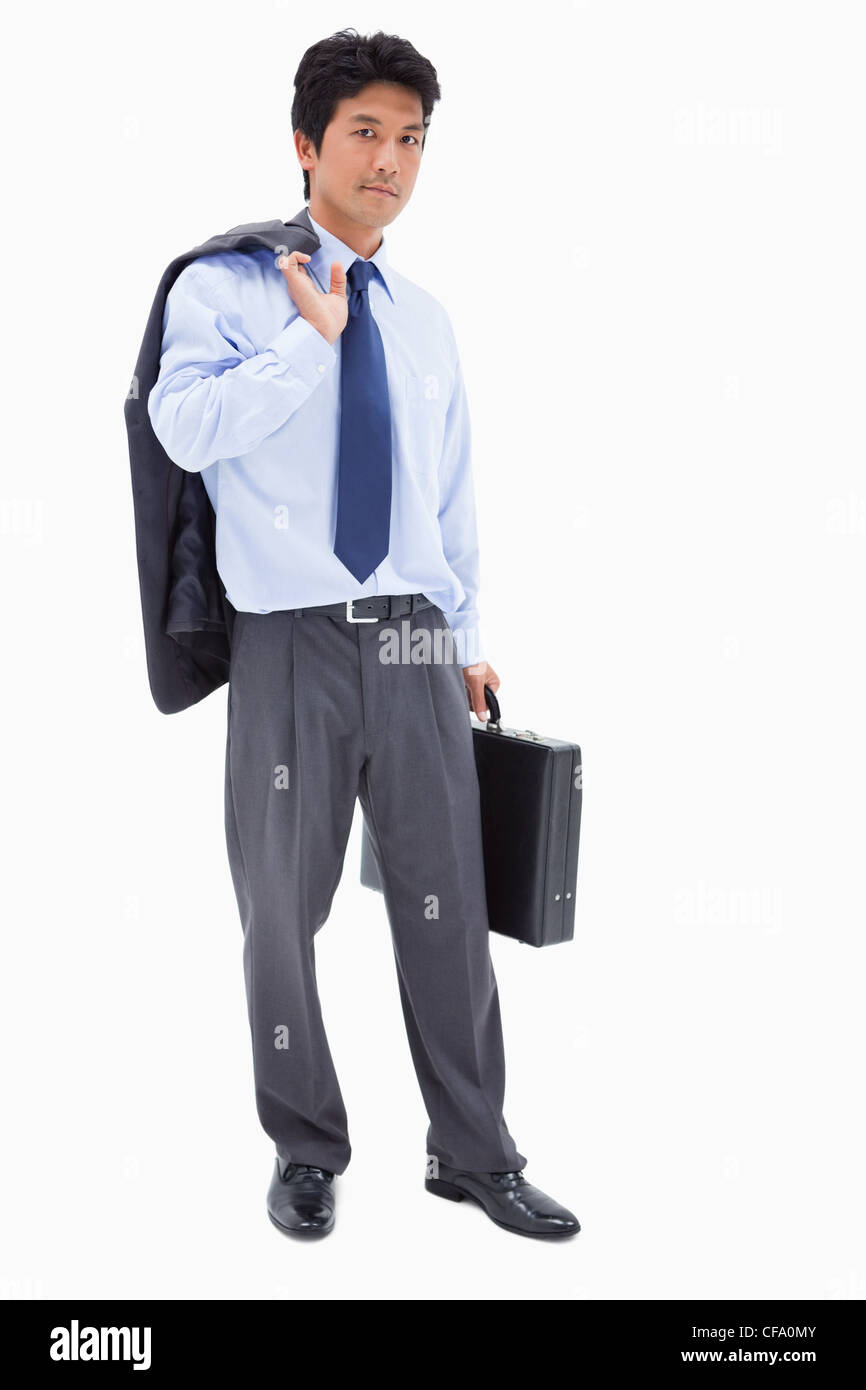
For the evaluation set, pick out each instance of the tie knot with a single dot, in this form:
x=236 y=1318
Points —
x=360 y=274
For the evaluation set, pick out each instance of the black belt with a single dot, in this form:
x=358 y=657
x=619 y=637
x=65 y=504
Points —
x=370 y=609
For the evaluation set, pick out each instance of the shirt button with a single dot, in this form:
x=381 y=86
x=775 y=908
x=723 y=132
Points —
x=321 y=366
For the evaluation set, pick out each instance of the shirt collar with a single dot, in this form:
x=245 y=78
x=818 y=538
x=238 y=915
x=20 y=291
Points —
x=333 y=249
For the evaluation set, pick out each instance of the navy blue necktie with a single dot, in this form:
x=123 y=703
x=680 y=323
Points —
x=364 y=488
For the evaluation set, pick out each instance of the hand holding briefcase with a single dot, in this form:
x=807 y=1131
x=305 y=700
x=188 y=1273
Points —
x=531 y=799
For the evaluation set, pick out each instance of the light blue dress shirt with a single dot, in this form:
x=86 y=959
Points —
x=248 y=394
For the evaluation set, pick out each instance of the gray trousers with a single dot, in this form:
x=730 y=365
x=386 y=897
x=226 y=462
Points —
x=316 y=718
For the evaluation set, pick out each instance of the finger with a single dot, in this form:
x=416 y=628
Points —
x=293 y=261
x=477 y=700
x=338 y=279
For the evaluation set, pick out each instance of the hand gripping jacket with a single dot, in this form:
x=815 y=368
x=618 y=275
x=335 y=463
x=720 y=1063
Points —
x=188 y=618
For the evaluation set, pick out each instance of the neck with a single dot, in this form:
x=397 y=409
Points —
x=364 y=241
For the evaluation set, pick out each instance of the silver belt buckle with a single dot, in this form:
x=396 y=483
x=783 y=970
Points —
x=350 y=616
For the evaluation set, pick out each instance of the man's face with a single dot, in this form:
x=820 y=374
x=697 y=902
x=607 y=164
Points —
x=373 y=138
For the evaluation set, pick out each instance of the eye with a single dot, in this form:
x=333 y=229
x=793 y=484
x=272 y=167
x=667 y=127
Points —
x=372 y=132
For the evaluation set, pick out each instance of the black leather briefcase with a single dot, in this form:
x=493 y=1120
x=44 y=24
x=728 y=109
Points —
x=531 y=800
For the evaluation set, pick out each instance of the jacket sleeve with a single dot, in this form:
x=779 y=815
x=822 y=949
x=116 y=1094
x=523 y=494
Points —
x=457 y=521
x=213 y=400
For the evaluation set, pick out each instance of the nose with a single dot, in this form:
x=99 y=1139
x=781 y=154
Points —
x=386 y=158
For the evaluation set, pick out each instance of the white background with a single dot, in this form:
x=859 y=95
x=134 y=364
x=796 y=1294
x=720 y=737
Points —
x=646 y=222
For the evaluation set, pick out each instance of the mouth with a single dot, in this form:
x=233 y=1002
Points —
x=382 y=192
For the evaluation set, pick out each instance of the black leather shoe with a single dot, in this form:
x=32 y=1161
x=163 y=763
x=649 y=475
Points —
x=508 y=1199
x=301 y=1199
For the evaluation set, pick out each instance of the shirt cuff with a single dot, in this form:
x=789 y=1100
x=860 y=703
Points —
x=466 y=631
x=303 y=348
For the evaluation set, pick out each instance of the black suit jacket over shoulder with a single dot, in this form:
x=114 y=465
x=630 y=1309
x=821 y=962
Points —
x=187 y=616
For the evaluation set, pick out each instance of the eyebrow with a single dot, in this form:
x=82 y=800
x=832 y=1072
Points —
x=373 y=121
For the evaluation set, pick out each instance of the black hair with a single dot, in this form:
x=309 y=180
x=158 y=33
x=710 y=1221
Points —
x=345 y=63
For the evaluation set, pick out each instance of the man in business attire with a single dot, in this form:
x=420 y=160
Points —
x=322 y=399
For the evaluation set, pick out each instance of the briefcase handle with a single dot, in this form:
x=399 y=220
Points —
x=494 y=722
x=493 y=706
